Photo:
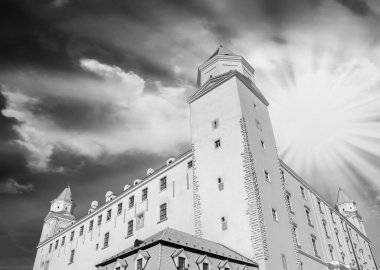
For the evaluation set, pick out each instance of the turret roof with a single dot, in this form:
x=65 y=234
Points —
x=222 y=51
x=65 y=195
x=343 y=197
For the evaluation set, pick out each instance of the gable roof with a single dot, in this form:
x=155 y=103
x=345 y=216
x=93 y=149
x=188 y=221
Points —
x=343 y=197
x=221 y=51
x=173 y=237
x=213 y=82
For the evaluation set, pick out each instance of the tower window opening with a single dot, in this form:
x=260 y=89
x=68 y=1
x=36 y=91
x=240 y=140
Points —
x=217 y=143
x=224 y=223
x=220 y=184
x=215 y=124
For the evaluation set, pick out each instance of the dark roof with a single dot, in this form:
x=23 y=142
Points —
x=221 y=51
x=185 y=240
x=219 y=79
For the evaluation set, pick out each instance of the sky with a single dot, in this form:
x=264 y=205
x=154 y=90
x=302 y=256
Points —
x=93 y=93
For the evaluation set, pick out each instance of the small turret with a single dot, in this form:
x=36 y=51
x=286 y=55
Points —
x=60 y=215
x=347 y=207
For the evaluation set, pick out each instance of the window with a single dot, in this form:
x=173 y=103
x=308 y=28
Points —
x=303 y=192
x=294 y=231
x=72 y=236
x=144 y=194
x=262 y=144
x=205 y=266
x=337 y=236
x=320 y=206
x=119 y=208
x=332 y=216
x=109 y=212
x=343 y=256
x=331 y=250
x=348 y=244
x=181 y=263
x=217 y=143
x=308 y=216
x=50 y=247
x=139 y=264
x=324 y=223
x=81 y=230
x=163 y=183
x=189 y=164
x=97 y=246
x=91 y=225
x=215 y=124
x=220 y=184
x=106 y=239
x=131 y=201
x=284 y=264
x=72 y=253
x=224 y=223
x=99 y=220
x=282 y=175
x=140 y=221
x=267 y=177
x=117 y=268
x=130 y=228
x=63 y=240
x=163 y=212
x=314 y=242
x=287 y=197
x=56 y=244
x=258 y=125
x=274 y=214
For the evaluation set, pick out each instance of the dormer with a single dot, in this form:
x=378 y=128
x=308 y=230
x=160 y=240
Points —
x=221 y=61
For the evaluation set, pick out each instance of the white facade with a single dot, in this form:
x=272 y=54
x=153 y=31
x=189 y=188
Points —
x=230 y=188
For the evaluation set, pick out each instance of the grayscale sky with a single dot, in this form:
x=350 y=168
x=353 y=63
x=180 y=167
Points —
x=92 y=94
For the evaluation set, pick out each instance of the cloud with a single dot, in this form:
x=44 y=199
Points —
x=12 y=187
x=103 y=115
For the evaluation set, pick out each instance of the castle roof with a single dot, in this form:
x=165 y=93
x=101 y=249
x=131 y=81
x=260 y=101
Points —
x=174 y=237
x=65 y=195
x=221 y=51
x=343 y=197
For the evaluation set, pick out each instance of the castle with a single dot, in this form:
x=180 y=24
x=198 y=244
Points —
x=228 y=203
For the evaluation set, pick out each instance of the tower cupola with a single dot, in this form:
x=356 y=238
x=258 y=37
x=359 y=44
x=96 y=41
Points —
x=63 y=203
x=221 y=61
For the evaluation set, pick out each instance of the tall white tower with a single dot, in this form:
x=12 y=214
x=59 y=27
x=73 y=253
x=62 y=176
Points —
x=60 y=215
x=347 y=207
x=235 y=160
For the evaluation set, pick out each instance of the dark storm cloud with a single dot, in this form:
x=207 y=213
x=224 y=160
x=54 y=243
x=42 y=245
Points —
x=358 y=7
x=12 y=187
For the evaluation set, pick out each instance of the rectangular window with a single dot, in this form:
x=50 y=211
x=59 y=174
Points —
x=91 y=225
x=189 y=164
x=140 y=221
x=109 y=212
x=205 y=266
x=50 y=247
x=63 y=240
x=337 y=236
x=72 y=236
x=274 y=214
x=215 y=124
x=220 y=184
x=106 y=239
x=267 y=177
x=144 y=194
x=258 y=125
x=308 y=216
x=332 y=216
x=262 y=144
x=282 y=175
x=139 y=264
x=324 y=223
x=181 y=263
x=320 y=206
x=224 y=223
x=81 y=230
x=303 y=192
x=99 y=220
x=56 y=244
x=287 y=197
x=217 y=143
x=72 y=256
x=130 y=228
x=131 y=201
x=163 y=183
x=314 y=242
x=294 y=231
x=119 y=208
x=163 y=212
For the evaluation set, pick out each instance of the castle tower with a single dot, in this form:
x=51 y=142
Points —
x=60 y=215
x=347 y=207
x=235 y=159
